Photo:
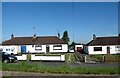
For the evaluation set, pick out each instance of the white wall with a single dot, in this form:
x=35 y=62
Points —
x=104 y=50
x=91 y=50
x=31 y=49
x=48 y=58
x=64 y=48
x=10 y=49
x=113 y=50
x=22 y=57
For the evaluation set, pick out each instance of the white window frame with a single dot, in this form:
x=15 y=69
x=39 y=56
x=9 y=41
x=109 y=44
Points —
x=38 y=47
x=57 y=47
x=117 y=48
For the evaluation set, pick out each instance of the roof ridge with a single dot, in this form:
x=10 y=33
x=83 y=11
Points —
x=37 y=40
x=108 y=37
x=36 y=36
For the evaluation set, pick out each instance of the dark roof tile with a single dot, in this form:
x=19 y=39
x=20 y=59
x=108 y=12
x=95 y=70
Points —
x=105 y=41
x=31 y=40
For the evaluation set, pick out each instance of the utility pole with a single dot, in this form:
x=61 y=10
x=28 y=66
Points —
x=73 y=11
x=34 y=30
x=73 y=37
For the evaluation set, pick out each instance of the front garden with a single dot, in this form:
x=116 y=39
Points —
x=26 y=66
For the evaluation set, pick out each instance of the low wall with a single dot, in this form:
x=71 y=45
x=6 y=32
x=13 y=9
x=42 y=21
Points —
x=43 y=58
x=48 y=58
x=22 y=57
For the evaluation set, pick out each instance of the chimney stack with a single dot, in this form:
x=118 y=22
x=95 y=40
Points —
x=12 y=36
x=59 y=35
x=94 y=36
x=34 y=36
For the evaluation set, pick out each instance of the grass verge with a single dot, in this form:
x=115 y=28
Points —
x=64 y=69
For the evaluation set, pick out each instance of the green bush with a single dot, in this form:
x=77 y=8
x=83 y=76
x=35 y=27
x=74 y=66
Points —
x=98 y=57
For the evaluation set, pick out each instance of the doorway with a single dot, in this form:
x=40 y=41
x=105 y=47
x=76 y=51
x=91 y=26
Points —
x=108 y=50
x=47 y=49
x=23 y=49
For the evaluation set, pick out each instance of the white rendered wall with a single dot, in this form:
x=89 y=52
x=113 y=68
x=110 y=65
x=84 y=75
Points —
x=113 y=50
x=48 y=58
x=64 y=48
x=22 y=57
x=10 y=48
x=31 y=49
x=104 y=49
x=91 y=50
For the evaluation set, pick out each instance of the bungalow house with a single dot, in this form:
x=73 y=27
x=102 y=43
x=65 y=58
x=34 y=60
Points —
x=35 y=44
x=103 y=45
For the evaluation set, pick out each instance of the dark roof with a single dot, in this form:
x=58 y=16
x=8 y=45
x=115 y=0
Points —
x=31 y=40
x=104 y=41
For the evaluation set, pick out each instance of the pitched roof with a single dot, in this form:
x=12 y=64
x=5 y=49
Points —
x=104 y=41
x=31 y=40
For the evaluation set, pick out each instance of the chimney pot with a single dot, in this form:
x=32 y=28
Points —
x=59 y=35
x=34 y=36
x=12 y=36
x=94 y=36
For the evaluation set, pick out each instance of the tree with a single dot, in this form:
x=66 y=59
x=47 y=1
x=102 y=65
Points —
x=65 y=37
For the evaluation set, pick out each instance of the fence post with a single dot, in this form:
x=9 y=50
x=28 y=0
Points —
x=103 y=59
x=85 y=58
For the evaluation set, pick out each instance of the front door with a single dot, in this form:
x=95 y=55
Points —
x=108 y=50
x=47 y=49
x=23 y=49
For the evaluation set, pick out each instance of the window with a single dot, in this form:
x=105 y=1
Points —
x=6 y=49
x=117 y=48
x=12 y=50
x=97 y=48
x=38 y=47
x=57 y=47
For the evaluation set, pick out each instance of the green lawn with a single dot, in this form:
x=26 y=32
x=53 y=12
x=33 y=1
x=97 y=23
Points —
x=67 y=57
x=108 y=57
x=112 y=58
x=64 y=69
